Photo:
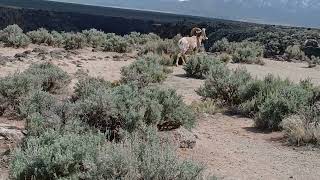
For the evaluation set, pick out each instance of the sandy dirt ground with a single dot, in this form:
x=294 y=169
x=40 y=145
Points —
x=229 y=145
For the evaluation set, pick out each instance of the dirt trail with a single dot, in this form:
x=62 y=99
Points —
x=294 y=71
x=233 y=149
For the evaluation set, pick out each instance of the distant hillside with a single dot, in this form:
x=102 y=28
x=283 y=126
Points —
x=33 y=14
x=290 y=12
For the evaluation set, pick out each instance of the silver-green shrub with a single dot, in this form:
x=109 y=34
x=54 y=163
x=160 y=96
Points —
x=13 y=36
x=74 y=40
x=198 y=65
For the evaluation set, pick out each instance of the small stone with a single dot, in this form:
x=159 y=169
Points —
x=11 y=134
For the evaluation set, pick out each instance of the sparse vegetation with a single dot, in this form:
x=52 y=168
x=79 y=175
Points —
x=207 y=106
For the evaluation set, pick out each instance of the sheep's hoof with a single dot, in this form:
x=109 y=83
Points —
x=176 y=65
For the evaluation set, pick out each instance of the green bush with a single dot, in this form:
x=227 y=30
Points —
x=167 y=46
x=54 y=156
x=270 y=100
x=224 y=85
x=224 y=57
x=141 y=155
x=144 y=72
x=48 y=76
x=175 y=112
x=40 y=36
x=248 y=52
x=94 y=37
x=13 y=36
x=89 y=85
x=257 y=91
x=74 y=40
x=57 y=39
x=313 y=61
x=37 y=102
x=145 y=156
x=295 y=52
x=207 y=106
x=303 y=127
x=129 y=108
x=13 y=88
x=199 y=65
x=116 y=43
x=279 y=105
x=222 y=45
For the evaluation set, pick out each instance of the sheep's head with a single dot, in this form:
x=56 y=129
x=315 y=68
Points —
x=199 y=32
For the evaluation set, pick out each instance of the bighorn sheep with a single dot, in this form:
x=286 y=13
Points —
x=192 y=43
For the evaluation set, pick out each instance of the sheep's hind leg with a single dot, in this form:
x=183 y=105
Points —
x=184 y=58
x=178 y=58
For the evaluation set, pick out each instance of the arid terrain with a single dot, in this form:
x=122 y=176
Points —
x=229 y=145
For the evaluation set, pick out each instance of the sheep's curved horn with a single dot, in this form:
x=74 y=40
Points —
x=195 y=31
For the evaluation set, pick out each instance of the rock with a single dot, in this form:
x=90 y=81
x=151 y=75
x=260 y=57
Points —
x=21 y=55
x=27 y=52
x=41 y=50
x=74 y=52
x=6 y=59
x=11 y=134
x=181 y=137
x=57 y=54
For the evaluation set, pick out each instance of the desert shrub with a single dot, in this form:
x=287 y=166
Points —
x=13 y=36
x=294 y=52
x=141 y=155
x=175 y=112
x=279 y=105
x=40 y=36
x=13 y=88
x=224 y=57
x=199 y=65
x=207 y=106
x=94 y=37
x=272 y=99
x=56 y=155
x=48 y=76
x=129 y=108
x=144 y=72
x=222 y=45
x=248 y=52
x=162 y=59
x=224 y=85
x=145 y=156
x=256 y=91
x=37 y=102
x=89 y=85
x=74 y=40
x=313 y=61
x=167 y=46
x=116 y=43
x=303 y=127
x=57 y=39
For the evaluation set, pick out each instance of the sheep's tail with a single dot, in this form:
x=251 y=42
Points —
x=180 y=43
